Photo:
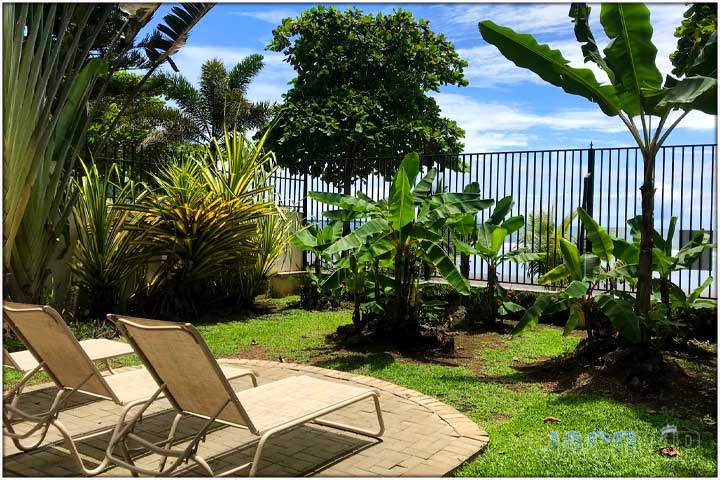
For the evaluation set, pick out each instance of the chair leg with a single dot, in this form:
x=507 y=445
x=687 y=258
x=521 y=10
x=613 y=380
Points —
x=171 y=437
x=258 y=452
x=109 y=366
x=361 y=431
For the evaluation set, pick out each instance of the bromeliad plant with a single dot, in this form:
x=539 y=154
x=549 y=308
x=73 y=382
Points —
x=200 y=224
x=636 y=91
x=401 y=231
x=56 y=58
x=584 y=272
x=490 y=238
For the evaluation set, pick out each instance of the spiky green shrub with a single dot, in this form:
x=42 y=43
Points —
x=104 y=275
x=200 y=224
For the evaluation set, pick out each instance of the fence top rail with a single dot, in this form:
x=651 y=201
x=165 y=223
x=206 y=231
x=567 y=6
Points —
x=149 y=150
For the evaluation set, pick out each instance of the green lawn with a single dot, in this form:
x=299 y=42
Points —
x=510 y=407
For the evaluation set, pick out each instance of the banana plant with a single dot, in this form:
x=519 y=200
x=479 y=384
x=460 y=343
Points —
x=665 y=262
x=685 y=302
x=584 y=272
x=317 y=240
x=490 y=237
x=636 y=91
x=407 y=226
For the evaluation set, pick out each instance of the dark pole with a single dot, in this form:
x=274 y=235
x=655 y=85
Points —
x=588 y=195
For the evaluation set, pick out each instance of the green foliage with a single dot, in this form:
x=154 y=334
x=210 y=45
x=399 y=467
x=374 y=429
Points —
x=273 y=235
x=200 y=224
x=103 y=272
x=699 y=22
x=381 y=259
x=146 y=120
x=361 y=92
x=543 y=235
x=635 y=90
x=489 y=239
x=219 y=103
x=599 y=313
x=55 y=59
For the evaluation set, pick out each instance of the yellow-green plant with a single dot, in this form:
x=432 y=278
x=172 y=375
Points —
x=201 y=222
x=273 y=236
x=103 y=271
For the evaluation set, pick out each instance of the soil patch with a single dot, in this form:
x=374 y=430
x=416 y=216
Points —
x=253 y=352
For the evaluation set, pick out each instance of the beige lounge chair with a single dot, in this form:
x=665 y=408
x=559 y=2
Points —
x=177 y=356
x=56 y=350
x=98 y=349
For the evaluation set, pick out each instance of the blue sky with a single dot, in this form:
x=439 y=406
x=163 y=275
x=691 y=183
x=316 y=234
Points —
x=503 y=108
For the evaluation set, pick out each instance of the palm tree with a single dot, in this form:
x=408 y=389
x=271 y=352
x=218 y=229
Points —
x=220 y=101
x=542 y=234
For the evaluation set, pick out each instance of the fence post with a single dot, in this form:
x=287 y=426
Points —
x=304 y=218
x=588 y=196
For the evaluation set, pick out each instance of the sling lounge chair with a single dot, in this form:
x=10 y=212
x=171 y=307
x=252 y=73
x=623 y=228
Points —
x=190 y=377
x=98 y=349
x=56 y=350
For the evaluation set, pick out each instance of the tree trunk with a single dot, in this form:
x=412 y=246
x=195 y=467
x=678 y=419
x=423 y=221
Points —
x=665 y=295
x=491 y=287
x=644 y=289
x=356 y=317
x=465 y=265
x=347 y=190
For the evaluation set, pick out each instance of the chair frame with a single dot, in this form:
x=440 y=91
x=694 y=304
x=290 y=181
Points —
x=43 y=421
x=190 y=452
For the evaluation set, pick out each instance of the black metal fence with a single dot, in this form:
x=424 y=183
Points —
x=547 y=185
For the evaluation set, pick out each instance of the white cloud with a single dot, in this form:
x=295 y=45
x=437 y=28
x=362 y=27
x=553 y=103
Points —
x=491 y=126
x=525 y=18
x=551 y=24
x=274 y=16
x=268 y=85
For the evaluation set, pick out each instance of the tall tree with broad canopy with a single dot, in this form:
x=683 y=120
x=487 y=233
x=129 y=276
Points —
x=361 y=92
x=636 y=91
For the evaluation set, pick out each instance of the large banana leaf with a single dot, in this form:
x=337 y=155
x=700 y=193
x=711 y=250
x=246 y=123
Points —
x=631 y=53
x=437 y=257
x=532 y=315
x=602 y=244
x=502 y=208
x=347 y=202
x=692 y=93
x=400 y=203
x=580 y=13
x=557 y=274
x=424 y=186
x=622 y=315
x=359 y=236
x=550 y=65
x=571 y=258
x=576 y=317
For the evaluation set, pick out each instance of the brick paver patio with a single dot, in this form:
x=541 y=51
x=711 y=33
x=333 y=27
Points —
x=423 y=436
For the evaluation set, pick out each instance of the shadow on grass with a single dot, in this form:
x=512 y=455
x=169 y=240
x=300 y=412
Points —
x=373 y=361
